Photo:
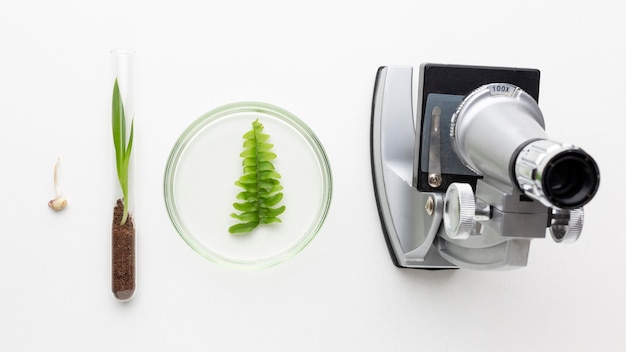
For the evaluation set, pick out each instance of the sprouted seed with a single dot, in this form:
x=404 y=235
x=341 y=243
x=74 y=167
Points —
x=59 y=202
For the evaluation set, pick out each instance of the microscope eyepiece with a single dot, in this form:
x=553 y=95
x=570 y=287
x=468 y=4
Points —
x=498 y=132
x=558 y=175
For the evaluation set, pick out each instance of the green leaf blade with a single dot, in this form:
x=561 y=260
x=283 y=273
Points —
x=271 y=201
x=270 y=220
x=246 y=206
x=246 y=216
x=118 y=124
x=265 y=212
x=244 y=227
x=268 y=175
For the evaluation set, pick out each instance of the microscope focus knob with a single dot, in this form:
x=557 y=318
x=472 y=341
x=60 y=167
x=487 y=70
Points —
x=459 y=211
x=567 y=225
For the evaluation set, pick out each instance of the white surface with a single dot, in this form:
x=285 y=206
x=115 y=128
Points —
x=318 y=60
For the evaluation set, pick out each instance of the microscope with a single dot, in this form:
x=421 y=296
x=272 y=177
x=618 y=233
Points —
x=471 y=177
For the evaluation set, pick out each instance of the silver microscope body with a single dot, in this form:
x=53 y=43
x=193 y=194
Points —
x=474 y=178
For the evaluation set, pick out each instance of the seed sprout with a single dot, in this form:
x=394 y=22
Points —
x=123 y=145
x=58 y=203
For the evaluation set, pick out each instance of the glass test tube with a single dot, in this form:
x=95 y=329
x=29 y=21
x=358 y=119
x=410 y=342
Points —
x=123 y=261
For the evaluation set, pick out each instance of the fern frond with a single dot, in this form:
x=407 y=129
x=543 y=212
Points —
x=260 y=183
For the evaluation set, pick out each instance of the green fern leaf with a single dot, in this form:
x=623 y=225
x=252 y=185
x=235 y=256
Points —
x=260 y=183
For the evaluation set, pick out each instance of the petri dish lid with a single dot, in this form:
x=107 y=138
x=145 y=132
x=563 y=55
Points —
x=199 y=185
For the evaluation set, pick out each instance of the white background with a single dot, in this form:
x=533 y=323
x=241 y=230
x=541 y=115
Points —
x=317 y=59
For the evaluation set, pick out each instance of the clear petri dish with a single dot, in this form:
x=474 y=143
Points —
x=200 y=189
